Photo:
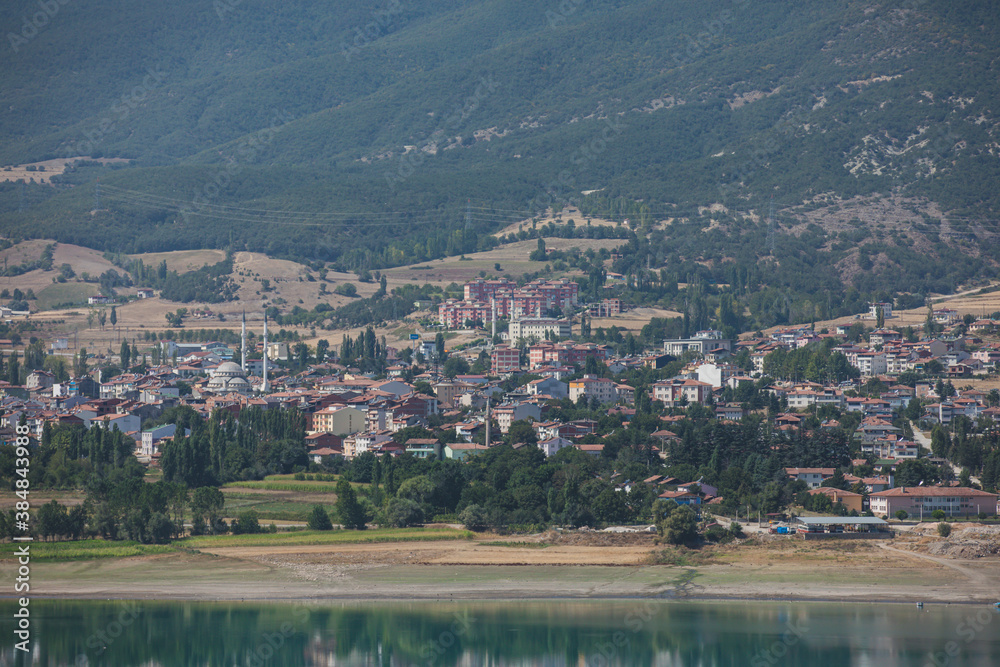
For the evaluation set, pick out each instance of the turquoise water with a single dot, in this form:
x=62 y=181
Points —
x=554 y=633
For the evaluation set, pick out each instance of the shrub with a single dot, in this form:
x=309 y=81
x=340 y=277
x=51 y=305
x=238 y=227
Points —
x=944 y=529
x=474 y=517
x=681 y=527
x=717 y=534
x=160 y=528
x=901 y=515
x=403 y=513
x=319 y=519
x=346 y=289
x=247 y=523
x=938 y=515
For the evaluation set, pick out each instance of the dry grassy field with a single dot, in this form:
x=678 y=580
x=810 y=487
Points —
x=291 y=284
x=182 y=261
x=557 y=219
x=56 y=167
x=964 y=303
x=634 y=320
x=539 y=566
x=512 y=258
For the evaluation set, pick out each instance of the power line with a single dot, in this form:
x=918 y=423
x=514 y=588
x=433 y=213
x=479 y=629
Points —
x=243 y=214
x=473 y=213
x=162 y=201
x=287 y=217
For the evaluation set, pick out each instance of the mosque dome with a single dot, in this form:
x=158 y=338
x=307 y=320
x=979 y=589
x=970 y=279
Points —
x=228 y=377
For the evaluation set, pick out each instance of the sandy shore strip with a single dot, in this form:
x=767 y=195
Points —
x=465 y=570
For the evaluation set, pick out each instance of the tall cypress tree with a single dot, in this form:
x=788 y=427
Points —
x=351 y=513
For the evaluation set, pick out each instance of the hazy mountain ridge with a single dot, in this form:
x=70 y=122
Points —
x=338 y=108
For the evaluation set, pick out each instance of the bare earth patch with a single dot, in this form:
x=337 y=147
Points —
x=55 y=167
x=541 y=566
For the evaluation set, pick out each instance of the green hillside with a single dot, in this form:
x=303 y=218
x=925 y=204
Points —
x=376 y=135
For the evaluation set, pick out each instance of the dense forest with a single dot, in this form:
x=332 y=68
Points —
x=281 y=130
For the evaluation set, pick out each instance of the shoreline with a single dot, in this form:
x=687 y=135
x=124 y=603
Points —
x=233 y=581
x=468 y=571
x=70 y=597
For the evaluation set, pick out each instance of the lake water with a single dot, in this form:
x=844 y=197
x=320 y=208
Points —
x=551 y=633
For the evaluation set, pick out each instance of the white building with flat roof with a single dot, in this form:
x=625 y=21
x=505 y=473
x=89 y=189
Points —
x=538 y=327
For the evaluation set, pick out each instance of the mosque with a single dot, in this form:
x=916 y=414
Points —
x=230 y=377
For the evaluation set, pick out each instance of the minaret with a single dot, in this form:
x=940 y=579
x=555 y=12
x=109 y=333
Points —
x=487 y=421
x=493 y=303
x=265 y=387
x=243 y=344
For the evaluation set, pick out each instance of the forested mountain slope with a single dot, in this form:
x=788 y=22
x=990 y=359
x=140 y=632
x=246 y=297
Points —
x=377 y=127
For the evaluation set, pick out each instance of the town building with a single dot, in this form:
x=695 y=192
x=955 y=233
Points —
x=702 y=343
x=591 y=386
x=339 y=420
x=505 y=359
x=917 y=500
x=540 y=328
x=677 y=392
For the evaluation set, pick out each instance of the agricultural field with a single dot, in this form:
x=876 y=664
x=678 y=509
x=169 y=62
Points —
x=317 y=538
x=86 y=550
x=289 y=485
x=269 y=510
x=93 y=549
x=57 y=294
x=282 y=497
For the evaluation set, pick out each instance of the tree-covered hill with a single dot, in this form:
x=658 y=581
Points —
x=348 y=132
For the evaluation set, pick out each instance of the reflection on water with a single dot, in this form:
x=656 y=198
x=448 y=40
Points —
x=556 y=634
